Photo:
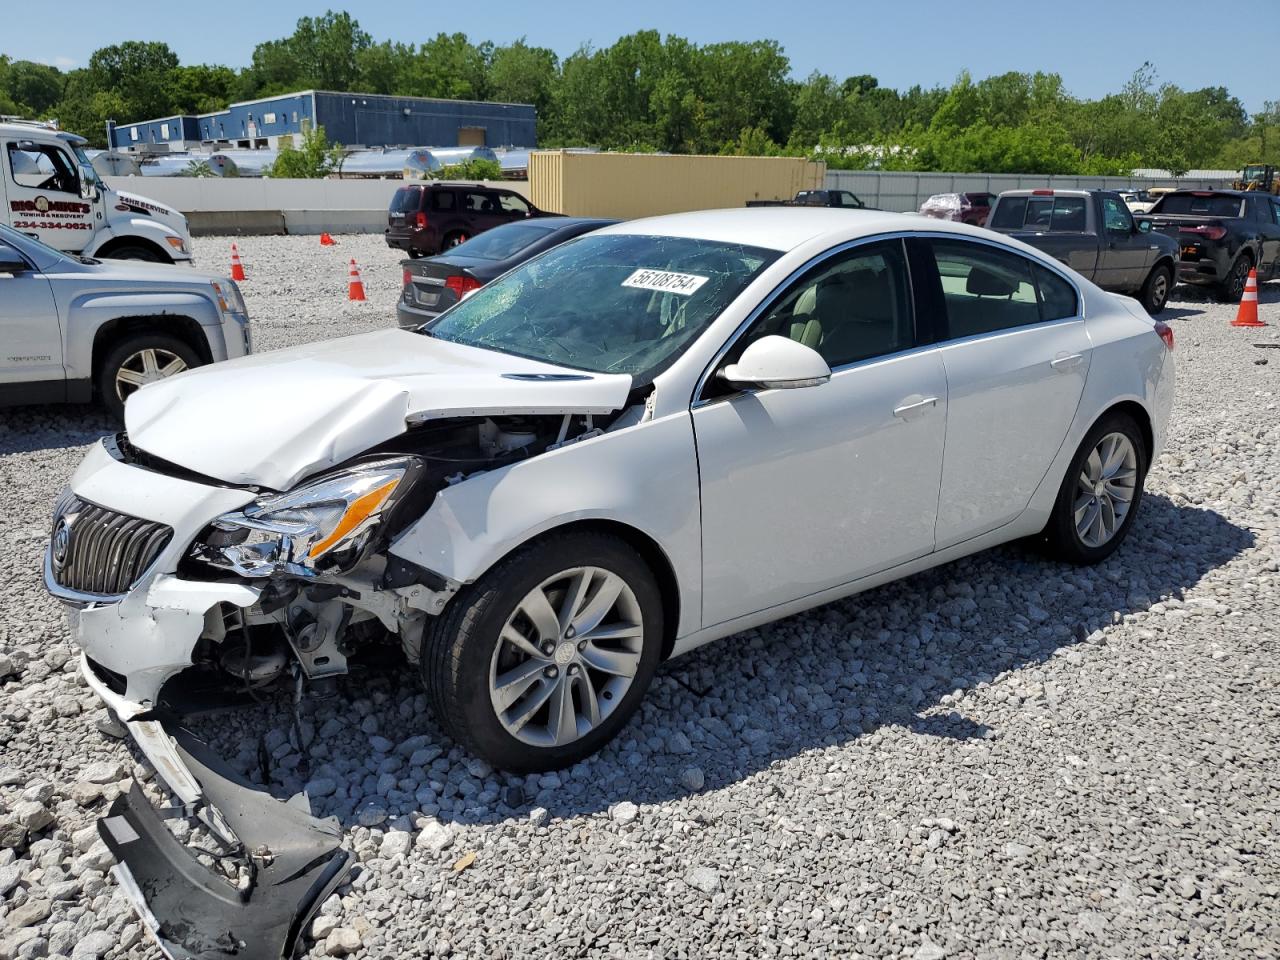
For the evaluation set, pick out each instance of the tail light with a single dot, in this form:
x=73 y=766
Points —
x=421 y=220
x=1206 y=231
x=407 y=278
x=462 y=285
x=1165 y=333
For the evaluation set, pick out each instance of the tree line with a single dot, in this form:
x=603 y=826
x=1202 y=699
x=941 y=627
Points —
x=648 y=92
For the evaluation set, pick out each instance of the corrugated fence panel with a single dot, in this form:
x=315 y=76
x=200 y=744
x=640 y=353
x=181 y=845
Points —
x=902 y=192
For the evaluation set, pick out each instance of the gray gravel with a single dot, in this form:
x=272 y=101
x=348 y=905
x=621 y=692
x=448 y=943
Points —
x=1000 y=758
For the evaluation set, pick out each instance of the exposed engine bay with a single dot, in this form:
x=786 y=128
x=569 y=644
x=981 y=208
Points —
x=328 y=587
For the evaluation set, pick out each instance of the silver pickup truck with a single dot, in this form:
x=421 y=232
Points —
x=73 y=329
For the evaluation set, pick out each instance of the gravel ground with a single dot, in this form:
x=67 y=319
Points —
x=1000 y=758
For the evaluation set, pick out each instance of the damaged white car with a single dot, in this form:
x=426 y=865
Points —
x=648 y=438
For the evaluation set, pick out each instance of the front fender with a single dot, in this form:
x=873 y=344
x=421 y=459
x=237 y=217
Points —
x=143 y=228
x=86 y=313
x=644 y=477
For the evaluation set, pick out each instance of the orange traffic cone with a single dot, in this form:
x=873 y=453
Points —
x=327 y=241
x=237 y=268
x=1247 y=315
x=355 y=286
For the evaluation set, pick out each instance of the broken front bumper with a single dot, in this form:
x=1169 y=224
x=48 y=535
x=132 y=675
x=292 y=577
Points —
x=287 y=861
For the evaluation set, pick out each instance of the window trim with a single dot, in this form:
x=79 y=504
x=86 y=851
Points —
x=699 y=399
x=947 y=339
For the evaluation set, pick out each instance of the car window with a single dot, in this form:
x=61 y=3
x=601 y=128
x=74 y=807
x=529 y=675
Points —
x=1068 y=215
x=406 y=200
x=502 y=242
x=42 y=166
x=1275 y=210
x=444 y=200
x=513 y=203
x=1116 y=215
x=1057 y=297
x=480 y=202
x=1011 y=213
x=851 y=307
x=1200 y=205
x=985 y=289
x=614 y=303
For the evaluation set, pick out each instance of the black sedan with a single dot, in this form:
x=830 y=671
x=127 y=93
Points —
x=436 y=283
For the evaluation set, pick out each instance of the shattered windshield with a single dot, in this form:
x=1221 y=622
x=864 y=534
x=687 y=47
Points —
x=609 y=304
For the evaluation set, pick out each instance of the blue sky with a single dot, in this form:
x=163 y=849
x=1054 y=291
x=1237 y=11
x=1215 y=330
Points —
x=1094 y=45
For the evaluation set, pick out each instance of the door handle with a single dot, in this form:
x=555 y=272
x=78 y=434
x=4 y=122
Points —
x=911 y=405
x=1066 y=362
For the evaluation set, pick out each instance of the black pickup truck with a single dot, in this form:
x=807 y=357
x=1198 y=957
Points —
x=816 y=198
x=1093 y=233
x=1222 y=235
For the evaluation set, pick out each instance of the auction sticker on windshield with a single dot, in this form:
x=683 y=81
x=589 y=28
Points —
x=664 y=280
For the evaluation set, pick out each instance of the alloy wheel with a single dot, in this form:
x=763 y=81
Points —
x=146 y=366
x=1159 y=289
x=566 y=656
x=1105 y=489
x=1239 y=277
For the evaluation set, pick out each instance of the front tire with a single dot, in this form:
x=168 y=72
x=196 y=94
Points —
x=542 y=660
x=1155 y=292
x=1100 y=494
x=137 y=360
x=137 y=252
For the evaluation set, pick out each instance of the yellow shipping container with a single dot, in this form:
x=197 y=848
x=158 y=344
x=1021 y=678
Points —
x=629 y=185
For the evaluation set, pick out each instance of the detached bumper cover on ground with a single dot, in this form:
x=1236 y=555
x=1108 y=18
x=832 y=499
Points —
x=291 y=861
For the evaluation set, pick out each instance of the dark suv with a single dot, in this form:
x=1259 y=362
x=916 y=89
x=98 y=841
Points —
x=426 y=218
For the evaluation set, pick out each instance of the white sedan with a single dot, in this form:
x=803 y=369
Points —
x=649 y=438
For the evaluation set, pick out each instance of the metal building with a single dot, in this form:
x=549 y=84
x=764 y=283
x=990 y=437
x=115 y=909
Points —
x=352 y=119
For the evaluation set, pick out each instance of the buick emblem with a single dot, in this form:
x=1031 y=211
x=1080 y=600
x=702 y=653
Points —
x=60 y=545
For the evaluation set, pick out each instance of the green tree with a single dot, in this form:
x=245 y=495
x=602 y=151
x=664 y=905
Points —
x=476 y=168
x=322 y=53
x=519 y=73
x=315 y=158
x=36 y=86
x=138 y=73
x=200 y=88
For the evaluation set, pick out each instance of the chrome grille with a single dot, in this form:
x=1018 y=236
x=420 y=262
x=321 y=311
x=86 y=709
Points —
x=98 y=551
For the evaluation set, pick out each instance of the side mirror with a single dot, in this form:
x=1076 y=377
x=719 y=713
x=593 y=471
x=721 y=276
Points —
x=88 y=184
x=11 y=261
x=1142 y=226
x=779 y=363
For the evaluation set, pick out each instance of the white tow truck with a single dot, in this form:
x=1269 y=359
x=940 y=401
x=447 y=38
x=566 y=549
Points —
x=49 y=190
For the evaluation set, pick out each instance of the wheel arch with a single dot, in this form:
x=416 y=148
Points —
x=130 y=240
x=654 y=556
x=1139 y=415
x=113 y=331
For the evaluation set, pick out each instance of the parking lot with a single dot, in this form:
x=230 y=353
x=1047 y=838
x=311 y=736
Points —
x=1003 y=757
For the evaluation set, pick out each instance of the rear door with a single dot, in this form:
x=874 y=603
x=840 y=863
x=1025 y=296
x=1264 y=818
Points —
x=30 y=337
x=1126 y=251
x=483 y=210
x=1016 y=355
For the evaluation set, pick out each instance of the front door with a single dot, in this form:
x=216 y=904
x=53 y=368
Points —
x=810 y=488
x=1016 y=355
x=30 y=337
x=44 y=194
x=1126 y=251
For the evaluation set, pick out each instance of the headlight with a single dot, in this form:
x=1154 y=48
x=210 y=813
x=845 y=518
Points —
x=229 y=297
x=324 y=525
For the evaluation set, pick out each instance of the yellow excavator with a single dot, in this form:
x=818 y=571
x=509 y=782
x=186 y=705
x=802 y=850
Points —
x=1259 y=176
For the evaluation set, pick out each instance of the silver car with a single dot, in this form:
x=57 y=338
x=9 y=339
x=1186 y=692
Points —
x=73 y=329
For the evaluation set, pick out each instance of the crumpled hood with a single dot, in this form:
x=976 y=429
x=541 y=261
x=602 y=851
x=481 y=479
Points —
x=271 y=419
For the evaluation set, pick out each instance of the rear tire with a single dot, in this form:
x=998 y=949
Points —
x=1155 y=292
x=1086 y=525
x=1232 y=288
x=140 y=357
x=552 y=697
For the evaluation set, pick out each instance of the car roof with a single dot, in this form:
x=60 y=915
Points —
x=783 y=228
